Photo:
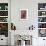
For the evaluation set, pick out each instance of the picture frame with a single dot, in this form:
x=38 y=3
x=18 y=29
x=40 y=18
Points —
x=23 y=14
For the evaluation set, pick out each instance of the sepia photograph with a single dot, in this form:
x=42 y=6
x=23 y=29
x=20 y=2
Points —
x=24 y=14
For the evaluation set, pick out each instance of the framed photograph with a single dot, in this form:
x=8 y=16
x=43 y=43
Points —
x=23 y=14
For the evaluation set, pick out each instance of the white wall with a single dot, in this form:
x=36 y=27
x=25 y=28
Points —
x=32 y=6
x=16 y=5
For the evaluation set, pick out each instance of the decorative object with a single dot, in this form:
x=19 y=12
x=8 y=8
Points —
x=6 y=7
x=41 y=19
x=3 y=20
x=24 y=14
x=43 y=13
x=41 y=25
x=3 y=13
x=0 y=7
x=42 y=32
x=41 y=6
x=31 y=27
x=13 y=27
x=22 y=43
x=23 y=40
x=4 y=29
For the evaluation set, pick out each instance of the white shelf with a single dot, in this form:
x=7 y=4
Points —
x=42 y=16
x=41 y=10
x=3 y=16
x=3 y=10
x=3 y=22
x=41 y=22
x=41 y=28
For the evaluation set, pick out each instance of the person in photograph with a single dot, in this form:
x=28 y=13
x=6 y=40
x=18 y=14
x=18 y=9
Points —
x=23 y=14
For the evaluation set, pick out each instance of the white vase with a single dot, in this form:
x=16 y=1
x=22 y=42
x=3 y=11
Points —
x=22 y=43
